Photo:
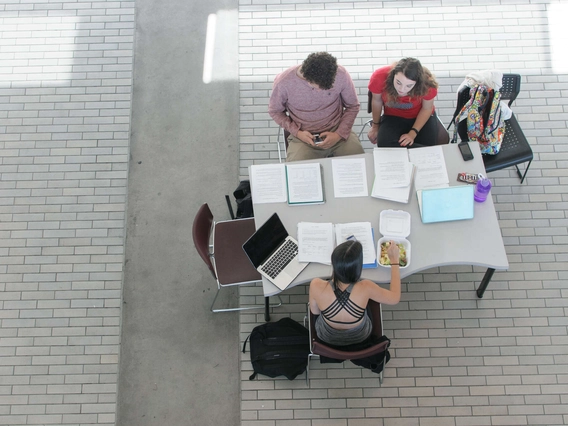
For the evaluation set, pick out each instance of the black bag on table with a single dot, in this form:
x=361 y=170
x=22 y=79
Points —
x=279 y=349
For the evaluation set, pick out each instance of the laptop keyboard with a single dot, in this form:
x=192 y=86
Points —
x=282 y=257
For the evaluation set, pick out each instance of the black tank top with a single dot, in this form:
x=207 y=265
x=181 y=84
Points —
x=343 y=302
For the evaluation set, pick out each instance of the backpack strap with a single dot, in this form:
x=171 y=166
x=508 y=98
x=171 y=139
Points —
x=245 y=344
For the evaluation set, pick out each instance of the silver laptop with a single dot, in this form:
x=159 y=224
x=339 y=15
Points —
x=274 y=253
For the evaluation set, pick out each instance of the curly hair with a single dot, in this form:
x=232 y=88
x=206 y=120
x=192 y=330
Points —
x=413 y=70
x=320 y=68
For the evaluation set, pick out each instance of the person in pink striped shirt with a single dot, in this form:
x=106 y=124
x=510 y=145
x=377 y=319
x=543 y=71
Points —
x=315 y=98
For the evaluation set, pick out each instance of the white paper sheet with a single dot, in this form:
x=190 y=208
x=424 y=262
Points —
x=304 y=183
x=363 y=232
x=393 y=174
x=430 y=167
x=315 y=242
x=268 y=183
x=392 y=168
x=349 y=177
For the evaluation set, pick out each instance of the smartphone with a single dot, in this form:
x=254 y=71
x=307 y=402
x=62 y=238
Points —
x=317 y=139
x=465 y=151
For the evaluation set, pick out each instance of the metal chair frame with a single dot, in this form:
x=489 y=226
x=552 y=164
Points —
x=213 y=267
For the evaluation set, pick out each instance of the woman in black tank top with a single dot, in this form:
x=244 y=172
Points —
x=342 y=301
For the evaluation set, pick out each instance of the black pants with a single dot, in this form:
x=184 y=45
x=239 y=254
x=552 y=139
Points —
x=392 y=128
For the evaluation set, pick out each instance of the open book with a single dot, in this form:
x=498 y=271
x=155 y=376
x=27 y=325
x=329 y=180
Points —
x=294 y=183
x=394 y=174
x=316 y=241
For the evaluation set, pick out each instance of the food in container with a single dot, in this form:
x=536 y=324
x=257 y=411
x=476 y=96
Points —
x=394 y=225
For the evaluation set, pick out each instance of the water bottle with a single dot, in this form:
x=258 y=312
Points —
x=482 y=188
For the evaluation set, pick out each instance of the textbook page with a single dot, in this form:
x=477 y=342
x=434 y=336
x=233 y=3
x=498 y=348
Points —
x=363 y=232
x=304 y=183
x=430 y=167
x=349 y=177
x=268 y=183
x=315 y=242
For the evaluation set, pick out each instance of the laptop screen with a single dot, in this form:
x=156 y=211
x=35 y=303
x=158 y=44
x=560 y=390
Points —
x=265 y=240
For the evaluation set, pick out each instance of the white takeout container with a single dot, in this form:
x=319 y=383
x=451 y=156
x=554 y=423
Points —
x=394 y=225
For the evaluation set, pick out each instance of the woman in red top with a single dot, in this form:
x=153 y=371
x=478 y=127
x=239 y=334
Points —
x=406 y=91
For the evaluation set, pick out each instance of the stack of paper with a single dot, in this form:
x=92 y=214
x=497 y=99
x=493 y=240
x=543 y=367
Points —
x=393 y=174
x=316 y=241
x=294 y=183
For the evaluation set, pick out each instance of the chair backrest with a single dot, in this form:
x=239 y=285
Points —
x=320 y=348
x=509 y=91
x=202 y=225
x=286 y=135
x=511 y=87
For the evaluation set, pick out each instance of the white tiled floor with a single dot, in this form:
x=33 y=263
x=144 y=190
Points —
x=65 y=89
x=457 y=360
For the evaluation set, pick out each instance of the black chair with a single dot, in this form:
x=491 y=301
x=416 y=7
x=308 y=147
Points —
x=443 y=135
x=515 y=148
x=282 y=150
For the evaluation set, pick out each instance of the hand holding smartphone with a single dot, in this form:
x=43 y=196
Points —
x=317 y=138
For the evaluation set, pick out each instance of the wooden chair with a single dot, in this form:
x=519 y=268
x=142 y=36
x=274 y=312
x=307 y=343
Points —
x=515 y=148
x=220 y=245
x=319 y=348
x=442 y=138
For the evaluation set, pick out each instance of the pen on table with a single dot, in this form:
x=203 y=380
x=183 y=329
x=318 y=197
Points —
x=351 y=237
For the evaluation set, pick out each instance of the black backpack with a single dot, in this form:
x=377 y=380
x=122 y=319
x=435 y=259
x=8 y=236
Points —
x=279 y=349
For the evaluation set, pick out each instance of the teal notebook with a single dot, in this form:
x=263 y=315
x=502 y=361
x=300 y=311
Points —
x=446 y=204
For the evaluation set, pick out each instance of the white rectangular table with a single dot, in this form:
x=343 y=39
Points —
x=466 y=242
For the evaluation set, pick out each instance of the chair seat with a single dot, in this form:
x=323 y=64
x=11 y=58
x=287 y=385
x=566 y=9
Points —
x=323 y=350
x=231 y=262
x=515 y=148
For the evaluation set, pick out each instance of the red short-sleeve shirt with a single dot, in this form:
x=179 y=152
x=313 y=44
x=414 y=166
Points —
x=406 y=106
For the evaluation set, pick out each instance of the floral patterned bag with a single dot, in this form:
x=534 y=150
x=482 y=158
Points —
x=483 y=118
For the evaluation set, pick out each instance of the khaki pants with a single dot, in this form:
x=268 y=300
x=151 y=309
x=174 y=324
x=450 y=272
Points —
x=298 y=150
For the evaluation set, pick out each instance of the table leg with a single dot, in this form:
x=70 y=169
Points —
x=266 y=310
x=485 y=282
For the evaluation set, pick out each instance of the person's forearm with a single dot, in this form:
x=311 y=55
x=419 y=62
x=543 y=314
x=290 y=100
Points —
x=351 y=108
x=421 y=119
x=376 y=110
x=282 y=119
x=347 y=121
x=395 y=284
